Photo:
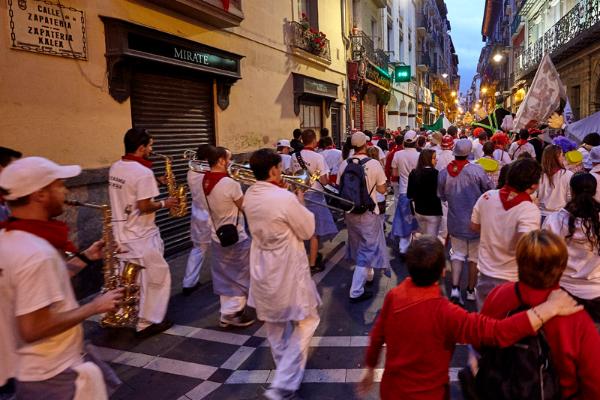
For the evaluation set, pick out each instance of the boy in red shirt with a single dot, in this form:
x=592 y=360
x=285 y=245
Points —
x=574 y=341
x=420 y=328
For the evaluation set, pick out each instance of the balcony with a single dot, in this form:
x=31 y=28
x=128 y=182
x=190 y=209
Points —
x=212 y=12
x=515 y=25
x=363 y=47
x=576 y=30
x=312 y=42
x=423 y=61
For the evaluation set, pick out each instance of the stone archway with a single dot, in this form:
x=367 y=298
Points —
x=403 y=114
x=411 y=115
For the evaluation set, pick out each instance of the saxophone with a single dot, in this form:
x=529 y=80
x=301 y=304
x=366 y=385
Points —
x=175 y=191
x=127 y=314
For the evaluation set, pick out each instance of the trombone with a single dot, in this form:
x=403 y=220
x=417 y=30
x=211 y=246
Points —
x=200 y=166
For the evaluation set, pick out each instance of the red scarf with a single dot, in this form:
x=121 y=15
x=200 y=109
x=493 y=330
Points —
x=143 y=161
x=521 y=142
x=455 y=167
x=55 y=232
x=211 y=179
x=511 y=198
x=278 y=184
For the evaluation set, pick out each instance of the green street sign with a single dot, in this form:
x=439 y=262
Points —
x=402 y=73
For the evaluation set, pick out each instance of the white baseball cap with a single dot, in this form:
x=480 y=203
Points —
x=358 y=139
x=410 y=136
x=30 y=174
x=284 y=143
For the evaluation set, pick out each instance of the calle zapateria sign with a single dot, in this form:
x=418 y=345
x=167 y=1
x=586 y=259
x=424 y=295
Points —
x=45 y=27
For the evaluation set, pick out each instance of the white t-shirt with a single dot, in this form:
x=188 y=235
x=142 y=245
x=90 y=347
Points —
x=333 y=158
x=286 y=160
x=405 y=161
x=34 y=276
x=314 y=162
x=375 y=176
x=581 y=278
x=444 y=157
x=200 y=224
x=515 y=149
x=500 y=231
x=477 y=149
x=223 y=209
x=129 y=182
x=502 y=156
x=553 y=194
x=379 y=150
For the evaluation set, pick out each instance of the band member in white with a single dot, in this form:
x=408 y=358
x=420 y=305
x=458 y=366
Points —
x=41 y=336
x=230 y=248
x=284 y=149
x=199 y=227
x=333 y=158
x=325 y=227
x=281 y=289
x=366 y=239
x=132 y=188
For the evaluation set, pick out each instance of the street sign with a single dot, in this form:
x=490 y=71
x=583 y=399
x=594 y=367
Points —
x=402 y=73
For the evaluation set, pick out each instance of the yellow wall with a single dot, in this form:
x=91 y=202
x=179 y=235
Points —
x=60 y=108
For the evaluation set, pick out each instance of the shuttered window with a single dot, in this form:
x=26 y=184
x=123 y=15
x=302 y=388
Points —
x=178 y=112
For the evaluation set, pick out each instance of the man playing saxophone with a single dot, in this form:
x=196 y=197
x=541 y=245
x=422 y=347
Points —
x=41 y=336
x=132 y=187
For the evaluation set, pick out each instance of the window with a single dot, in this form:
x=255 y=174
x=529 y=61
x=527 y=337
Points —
x=310 y=8
x=390 y=39
x=310 y=115
x=374 y=31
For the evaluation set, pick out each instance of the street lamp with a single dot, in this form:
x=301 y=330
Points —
x=498 y=57
x=453 y=93
x=444 y=75
x=484 y=90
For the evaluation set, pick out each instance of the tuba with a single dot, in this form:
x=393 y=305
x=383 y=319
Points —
x=176 y=191
x=127 y=314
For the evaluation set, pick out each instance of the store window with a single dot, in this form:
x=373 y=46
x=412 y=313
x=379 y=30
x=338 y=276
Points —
x=310 y=115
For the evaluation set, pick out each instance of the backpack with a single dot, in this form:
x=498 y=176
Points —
x=521 y=371
x=353 y=186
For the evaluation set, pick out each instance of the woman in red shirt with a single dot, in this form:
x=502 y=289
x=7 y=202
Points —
x=420 y=328
x=574 y=341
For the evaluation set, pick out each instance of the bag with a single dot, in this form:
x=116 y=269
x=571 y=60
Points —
x=521 y=371
x=228 y=233
x=353 y=186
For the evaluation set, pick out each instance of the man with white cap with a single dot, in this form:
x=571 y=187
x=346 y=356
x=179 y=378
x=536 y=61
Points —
x=366 y=240
x=461 y=184
x=41 y=335
x=284 y=149
x=403 y=163
x=132 y=187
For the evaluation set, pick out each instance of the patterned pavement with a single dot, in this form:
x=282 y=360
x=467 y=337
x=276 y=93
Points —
x=196 y=359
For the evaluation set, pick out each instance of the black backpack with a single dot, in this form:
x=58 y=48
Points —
x=521 y=371
x=353 y=186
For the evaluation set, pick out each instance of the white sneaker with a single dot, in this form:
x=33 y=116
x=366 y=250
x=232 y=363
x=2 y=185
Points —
x=455 y=296
x=471 y=295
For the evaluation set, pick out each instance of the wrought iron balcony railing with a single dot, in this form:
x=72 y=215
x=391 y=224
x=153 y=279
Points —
x=363 y=47
x=308 y=41
x=516 y=22
x=583 y=17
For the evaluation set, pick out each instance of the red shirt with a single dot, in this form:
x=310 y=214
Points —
x=420 y=328
x=388 y=164
x=574 y=341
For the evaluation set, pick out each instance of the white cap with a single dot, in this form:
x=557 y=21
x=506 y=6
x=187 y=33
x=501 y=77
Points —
x=283 y=143
x=358 y=139
x=30 y=174
x=410 y=136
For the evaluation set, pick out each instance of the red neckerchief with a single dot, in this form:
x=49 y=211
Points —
x=369 y=144
x=554 y=171
x=211 y=179
x=278 y=184
x=456 y=166
x=143 y=161
x=308 y=148
x=521 y=142
x=511 y=198
x=55 y=232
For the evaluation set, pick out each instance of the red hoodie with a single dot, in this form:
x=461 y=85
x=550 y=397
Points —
x=420 y=328
x=574 y=341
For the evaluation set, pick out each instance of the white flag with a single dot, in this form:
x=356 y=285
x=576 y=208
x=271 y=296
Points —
x=543 y=97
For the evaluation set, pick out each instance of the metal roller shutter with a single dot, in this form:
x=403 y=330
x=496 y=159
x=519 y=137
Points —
x=178 y=112
x=370 y=111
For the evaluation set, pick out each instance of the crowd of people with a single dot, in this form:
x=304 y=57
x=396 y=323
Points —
x=521 y=213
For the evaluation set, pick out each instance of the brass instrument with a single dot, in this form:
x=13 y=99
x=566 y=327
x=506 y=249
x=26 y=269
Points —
x=176 y=191
x=127 y=314
x=303 y=181
x=199 y=166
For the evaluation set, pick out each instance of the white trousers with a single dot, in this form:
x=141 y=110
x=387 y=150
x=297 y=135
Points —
x=429 y=224
x=359 y=278
x=232 y=304
x=289 y=343
x=155 y=278
x=194 y=264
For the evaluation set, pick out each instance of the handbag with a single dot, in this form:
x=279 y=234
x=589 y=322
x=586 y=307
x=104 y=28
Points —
x=228 y=233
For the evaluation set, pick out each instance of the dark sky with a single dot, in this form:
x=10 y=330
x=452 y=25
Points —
x=465 y=19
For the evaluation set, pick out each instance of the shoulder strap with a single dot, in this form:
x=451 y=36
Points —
x=237 y=218
x=300 y=160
